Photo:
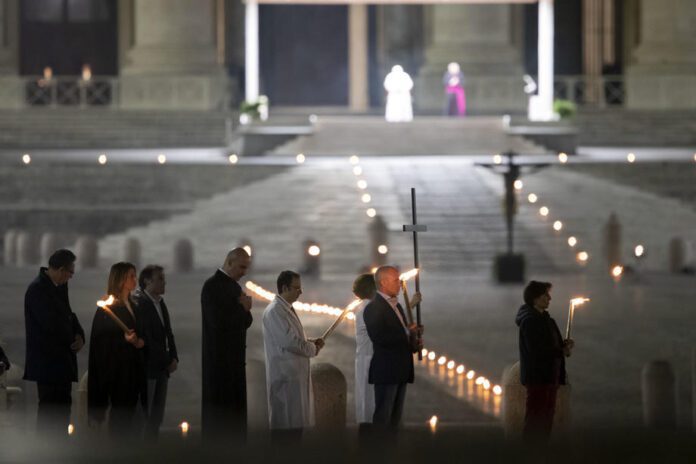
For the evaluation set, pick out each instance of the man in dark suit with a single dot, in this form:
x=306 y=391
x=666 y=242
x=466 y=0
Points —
x=226 y=313
x=394 y=341
x=155 y=328
x=53 y=337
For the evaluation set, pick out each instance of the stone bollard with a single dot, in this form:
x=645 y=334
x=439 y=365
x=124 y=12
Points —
x=659 y=395
x=50 y=242
x=87 y=251
x=612 y=242
x=515 y=399
x=183 y=255
x=311 y=252
x=27 y=249
x=82 y=420
x=10 y=247
x=131 y=251
x=379 y=243
x=679 y=255
x=330 y=396
x=256 y=394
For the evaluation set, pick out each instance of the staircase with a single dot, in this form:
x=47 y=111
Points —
x=104 y=128
x=372 y=135
x=636 y=128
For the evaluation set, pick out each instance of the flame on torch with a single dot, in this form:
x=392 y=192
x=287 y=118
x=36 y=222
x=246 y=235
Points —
x=104 y=303
x=409 y=274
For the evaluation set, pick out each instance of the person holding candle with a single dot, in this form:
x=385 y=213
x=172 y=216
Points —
x=394 y=342
x=288 y=350
x=542 y=360
x=54 y=336
x=116 y=377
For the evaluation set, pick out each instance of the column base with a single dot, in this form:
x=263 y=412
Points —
x=175 y=92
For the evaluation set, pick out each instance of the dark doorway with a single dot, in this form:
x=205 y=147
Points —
x=304 y=54
x=66 y=34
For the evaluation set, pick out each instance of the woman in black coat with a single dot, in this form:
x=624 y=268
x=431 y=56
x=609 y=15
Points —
x=116 y=363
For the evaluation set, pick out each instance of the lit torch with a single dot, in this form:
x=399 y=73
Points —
x=338 y=320
x=571 y=310
x=104 y=305
x=404 y=288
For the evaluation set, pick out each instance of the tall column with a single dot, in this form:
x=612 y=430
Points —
x=663 y=75
x=358 y=91
x=545 y=60
x=251 y=51
x=172 y=59
x=11 y=89
x=480 y=39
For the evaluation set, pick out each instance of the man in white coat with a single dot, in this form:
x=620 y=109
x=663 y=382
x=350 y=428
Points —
x=288 y=381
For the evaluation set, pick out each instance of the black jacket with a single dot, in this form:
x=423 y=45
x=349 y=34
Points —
x=392 y=361
x=116 y=367
x=225 y=323
x=542 y=361
x=157 y=334
x=51 y=327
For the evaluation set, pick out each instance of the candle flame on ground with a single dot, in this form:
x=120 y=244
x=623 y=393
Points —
x=617 y=271
x=71 y=429
x=184 y=426
x=433 y=423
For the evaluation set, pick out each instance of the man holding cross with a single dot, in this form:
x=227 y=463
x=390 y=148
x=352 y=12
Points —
x=394 y=340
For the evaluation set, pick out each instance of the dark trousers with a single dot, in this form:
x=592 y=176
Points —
x=156 y=401
x=53 y=415
x=389 y=404
x=541 y=406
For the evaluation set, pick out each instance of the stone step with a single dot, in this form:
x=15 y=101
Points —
x=370 y=135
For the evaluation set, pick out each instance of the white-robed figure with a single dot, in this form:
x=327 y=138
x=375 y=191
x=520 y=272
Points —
x=363 y=288
x=288 y=350
x=398 y=85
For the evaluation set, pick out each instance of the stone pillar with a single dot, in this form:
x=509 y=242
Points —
x=251 y=51
x=663 y=75
x=358 y=93
x=10 y=84
x=171 y=57
x=481 y=39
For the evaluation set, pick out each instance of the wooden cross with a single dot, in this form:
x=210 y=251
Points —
x=415 y=228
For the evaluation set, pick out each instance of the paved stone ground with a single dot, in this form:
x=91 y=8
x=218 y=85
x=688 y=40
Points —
x=645 y=316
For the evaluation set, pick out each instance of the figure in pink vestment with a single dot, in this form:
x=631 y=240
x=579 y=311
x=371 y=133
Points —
x=453 y=81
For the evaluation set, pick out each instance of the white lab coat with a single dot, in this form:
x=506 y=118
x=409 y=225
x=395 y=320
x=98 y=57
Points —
x=288 y=380
x=364 y=392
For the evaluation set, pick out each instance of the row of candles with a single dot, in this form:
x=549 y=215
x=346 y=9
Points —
x=582 y=256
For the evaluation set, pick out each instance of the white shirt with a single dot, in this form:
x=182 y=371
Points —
x=393 y=301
